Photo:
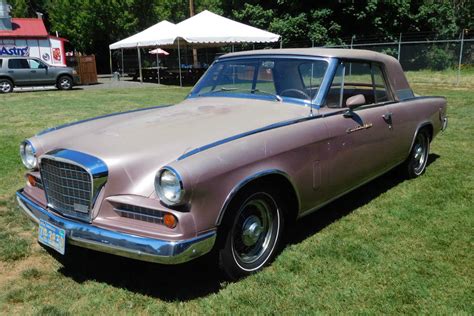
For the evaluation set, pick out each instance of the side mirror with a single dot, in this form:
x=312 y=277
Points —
x=355 y=101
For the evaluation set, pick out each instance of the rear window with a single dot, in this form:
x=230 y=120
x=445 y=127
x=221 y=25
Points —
x=19 y=63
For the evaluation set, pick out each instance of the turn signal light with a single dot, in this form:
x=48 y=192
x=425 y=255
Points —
x=169 y=220
x=31 y=180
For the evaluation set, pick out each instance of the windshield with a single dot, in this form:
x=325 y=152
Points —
x=277 y=78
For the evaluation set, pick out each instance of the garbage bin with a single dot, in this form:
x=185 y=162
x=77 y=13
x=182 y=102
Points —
x=116 y=76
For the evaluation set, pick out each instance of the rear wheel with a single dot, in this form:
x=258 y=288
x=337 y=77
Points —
x=253 y=229
x=6 y=86
x=64 y=83
x=415 y=164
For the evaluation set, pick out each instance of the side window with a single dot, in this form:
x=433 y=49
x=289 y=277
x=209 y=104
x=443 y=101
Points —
x=353 y=78
x=19 y=63
x=35 y=64
x=1 y=63
x=381 y=93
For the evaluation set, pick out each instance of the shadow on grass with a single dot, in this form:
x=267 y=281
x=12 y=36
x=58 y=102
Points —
x=345 y=205
x=22 y=90
x=201 y=277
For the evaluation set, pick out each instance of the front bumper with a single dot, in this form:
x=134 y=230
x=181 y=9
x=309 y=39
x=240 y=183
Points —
x=76 y=79
x=126 y=245
x=444 y=124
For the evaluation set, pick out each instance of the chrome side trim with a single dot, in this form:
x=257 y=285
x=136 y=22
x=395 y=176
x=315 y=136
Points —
x=247 y=180
x=52 y=129
x=256 y=131
x=245 y=134
x=121 y=244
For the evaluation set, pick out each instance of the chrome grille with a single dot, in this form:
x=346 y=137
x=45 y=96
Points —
x=140 y=213
x=68 y=187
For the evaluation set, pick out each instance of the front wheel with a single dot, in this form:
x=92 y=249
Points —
x=64 y=83
x=254 y=225
x=6 y=86
x=415 y=164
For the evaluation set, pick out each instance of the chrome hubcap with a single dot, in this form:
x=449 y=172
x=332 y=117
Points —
x=420 y=153
x=5 y=86
x=253 y=229
x=65 y=83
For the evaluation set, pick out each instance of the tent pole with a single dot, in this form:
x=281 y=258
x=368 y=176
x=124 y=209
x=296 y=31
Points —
x=110 y=56
x=179 y=65
x=122 y=62
x=140 y=64
x=158 y=67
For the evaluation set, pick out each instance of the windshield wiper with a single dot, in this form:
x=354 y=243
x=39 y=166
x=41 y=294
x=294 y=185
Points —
x=221 y=89
x=277 y=97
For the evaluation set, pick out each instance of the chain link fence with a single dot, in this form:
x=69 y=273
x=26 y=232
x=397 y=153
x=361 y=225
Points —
x=426 y=60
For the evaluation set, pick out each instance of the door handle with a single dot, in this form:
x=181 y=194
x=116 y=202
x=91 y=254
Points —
x=33 y=71
x=10 y=71
x=387 y=117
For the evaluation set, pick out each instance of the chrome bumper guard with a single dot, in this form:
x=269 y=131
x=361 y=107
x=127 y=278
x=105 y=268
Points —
x=444 y=124
x=122 y=244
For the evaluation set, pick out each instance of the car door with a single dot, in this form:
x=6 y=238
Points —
x=361 y=141
x=19 y=70
x=39 y=73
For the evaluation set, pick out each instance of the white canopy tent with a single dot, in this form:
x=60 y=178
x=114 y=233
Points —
x=202 y=30
x=210 y=28
x=159 y=34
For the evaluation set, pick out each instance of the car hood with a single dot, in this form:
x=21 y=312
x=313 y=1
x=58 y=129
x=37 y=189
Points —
x=137 y=144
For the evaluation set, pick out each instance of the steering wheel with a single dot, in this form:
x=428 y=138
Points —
x=300 y=92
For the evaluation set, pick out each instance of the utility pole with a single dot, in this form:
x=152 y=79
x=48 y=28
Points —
x=195 y=55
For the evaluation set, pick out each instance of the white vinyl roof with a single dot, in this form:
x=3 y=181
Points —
x=205 y=29
x=163 y=33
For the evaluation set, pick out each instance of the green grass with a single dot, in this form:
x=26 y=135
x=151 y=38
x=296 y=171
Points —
x=392 y=246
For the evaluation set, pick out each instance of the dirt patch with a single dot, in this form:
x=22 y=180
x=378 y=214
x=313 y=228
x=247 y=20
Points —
x=10 y=271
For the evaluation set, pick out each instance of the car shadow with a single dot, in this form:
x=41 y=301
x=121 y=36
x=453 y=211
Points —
x=40 y=89
x=315 y=222
x=201 y=277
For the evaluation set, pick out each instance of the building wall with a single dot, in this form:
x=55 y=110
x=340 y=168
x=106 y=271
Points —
x=49 y=50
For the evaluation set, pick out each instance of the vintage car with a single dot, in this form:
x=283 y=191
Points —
x=264 y=138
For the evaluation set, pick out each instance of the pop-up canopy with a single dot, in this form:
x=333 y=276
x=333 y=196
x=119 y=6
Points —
x=202 y=30
x=159 y=34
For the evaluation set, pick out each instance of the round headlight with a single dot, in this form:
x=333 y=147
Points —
x=168 y=186
x=28 y=155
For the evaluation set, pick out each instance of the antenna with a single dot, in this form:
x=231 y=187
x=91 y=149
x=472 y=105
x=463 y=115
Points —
x=310 y=87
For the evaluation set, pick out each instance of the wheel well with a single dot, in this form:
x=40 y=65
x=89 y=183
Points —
x=4 y=77
x=428 y=127
x=64 y=75
x=276 y=180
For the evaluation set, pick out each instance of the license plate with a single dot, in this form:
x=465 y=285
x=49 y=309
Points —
x=52 y=236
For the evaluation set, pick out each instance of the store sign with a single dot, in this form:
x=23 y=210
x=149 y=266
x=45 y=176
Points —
x=14 y=51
